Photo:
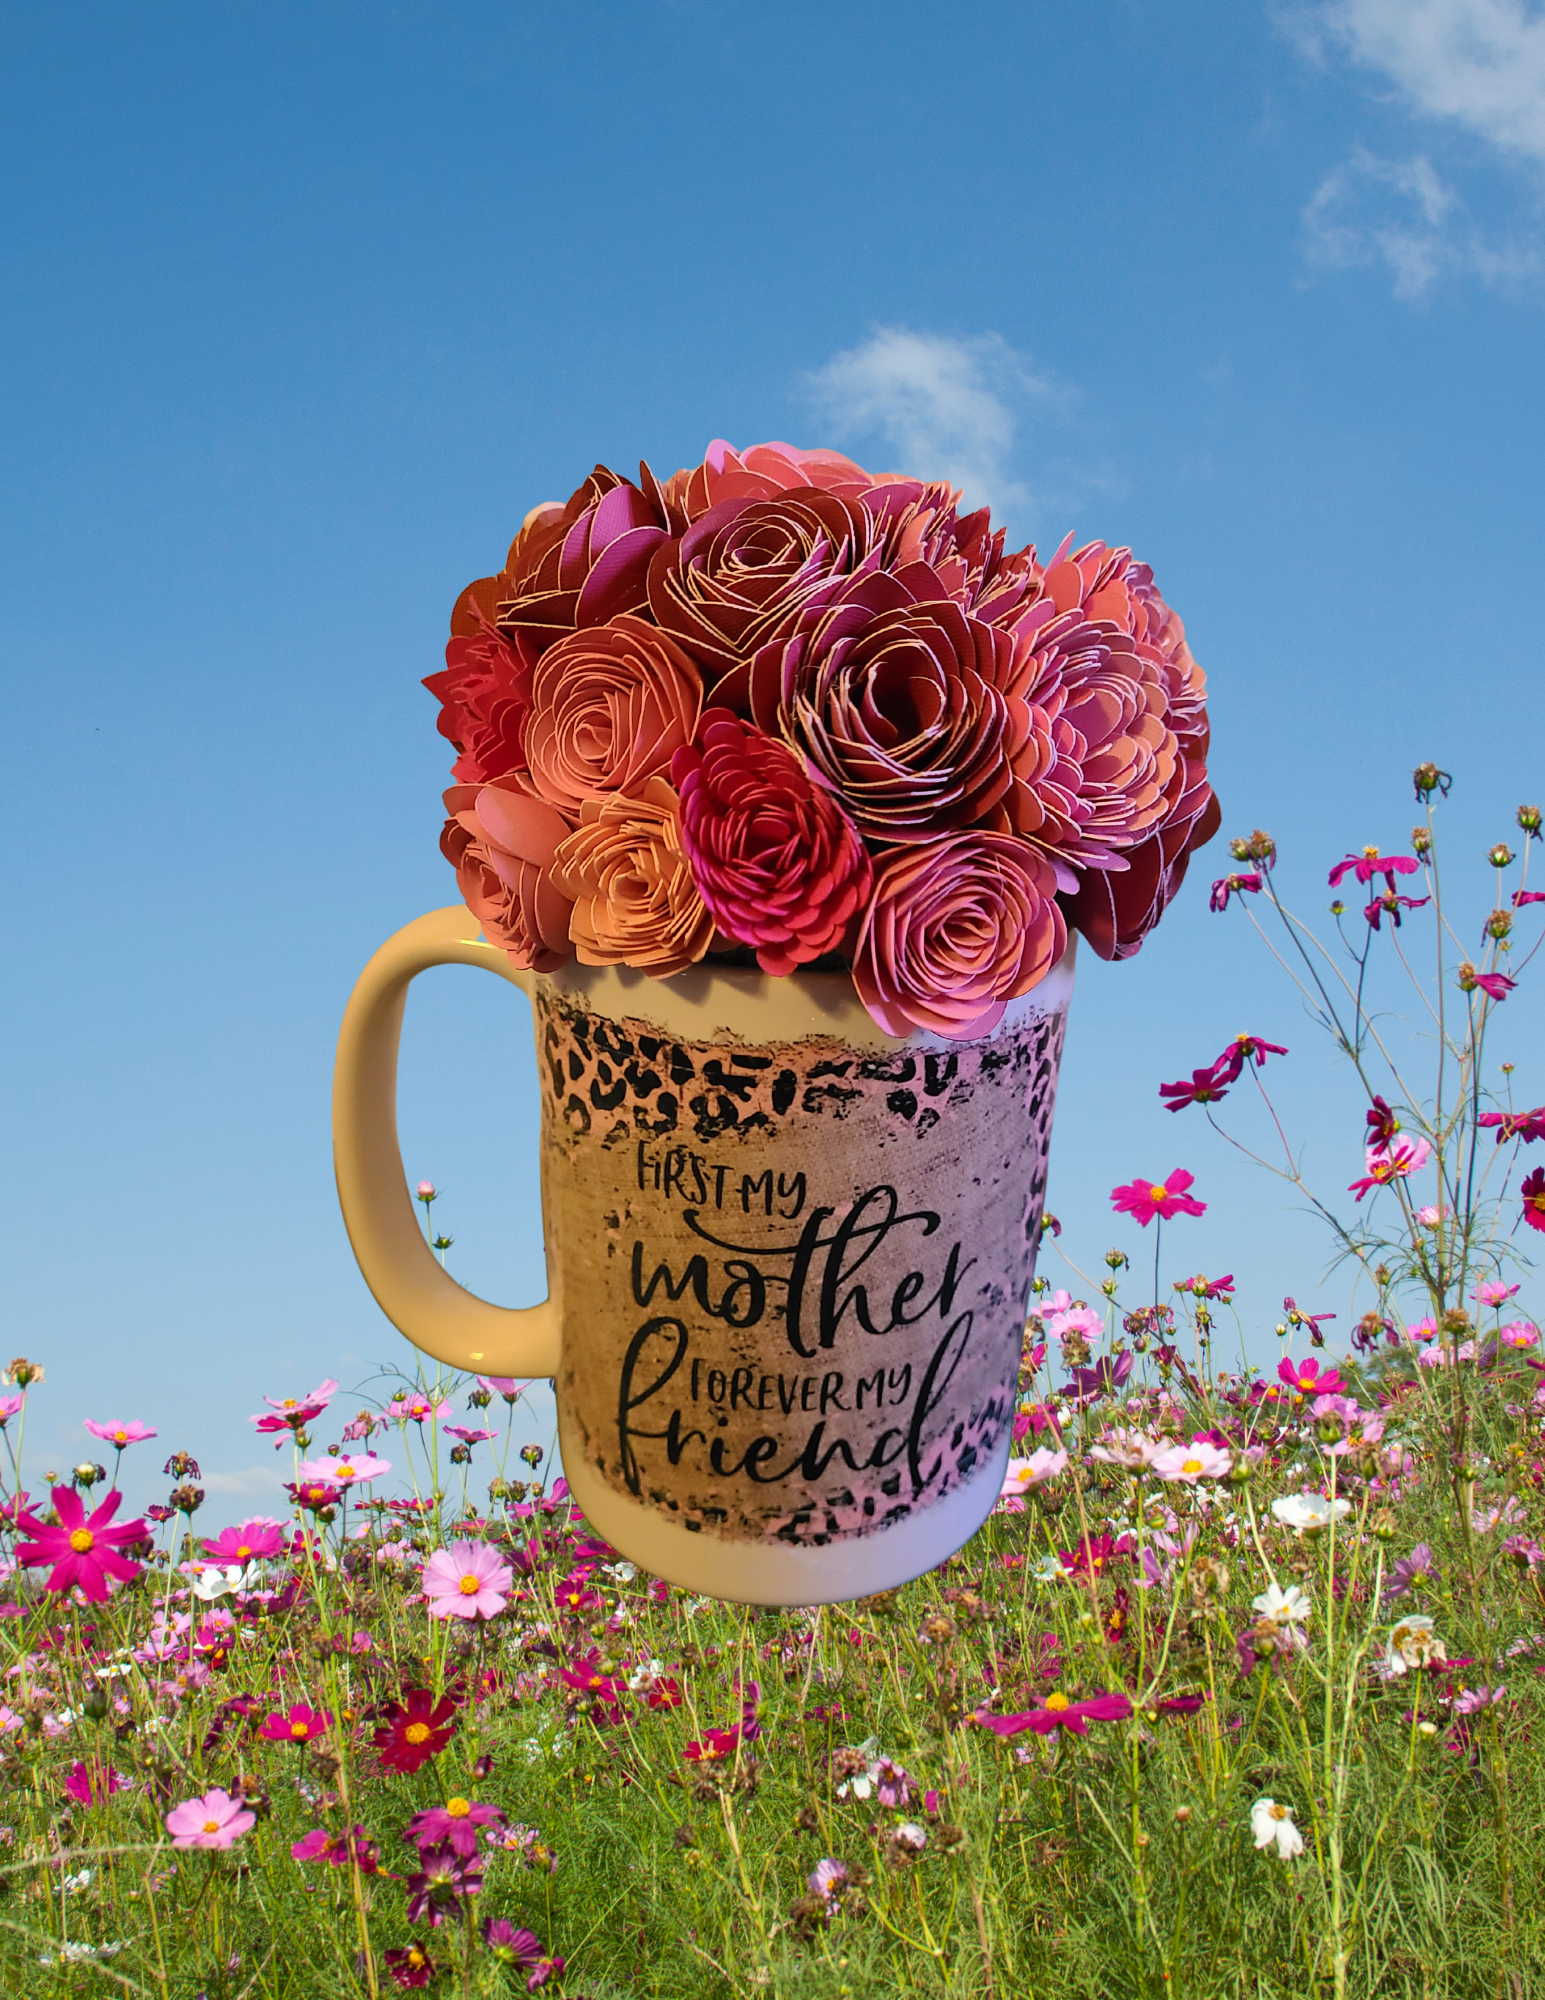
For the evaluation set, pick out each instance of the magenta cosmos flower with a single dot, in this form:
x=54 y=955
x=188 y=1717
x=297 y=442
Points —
x=1232 y=885
x=297 y=1724
x=1369 y=863
x=215 y=1820
x=83 y=1551
x=466 y=1580
x=91 y=1784
x=1144 y=1200
x=454 y=1824
x=1308 y=1378
x=777 y=861
x=1058 y=1712
x=119 y=1434
x=249 y=1541
x=1533 y=1193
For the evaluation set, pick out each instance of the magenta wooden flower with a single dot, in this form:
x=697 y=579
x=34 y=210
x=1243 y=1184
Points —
x=213 y=1820
x=1143 y=1200
x=120 y=1434
x=83 y=1551
x=955 y=929
x=466 y=1580
x=777 y=861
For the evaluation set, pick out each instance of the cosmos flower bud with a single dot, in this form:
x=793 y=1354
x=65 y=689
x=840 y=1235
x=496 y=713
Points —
x=1529 y=821
x=1428 y=779
x=1501 y=855
x=1421 y=840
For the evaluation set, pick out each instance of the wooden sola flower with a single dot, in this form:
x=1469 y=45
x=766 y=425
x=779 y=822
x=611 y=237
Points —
x=780 y=704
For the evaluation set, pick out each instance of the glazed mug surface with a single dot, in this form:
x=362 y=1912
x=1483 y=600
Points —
x=788 y=1257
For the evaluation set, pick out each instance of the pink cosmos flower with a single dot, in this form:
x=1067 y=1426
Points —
x=716 y=1747
x=346 y=1470
x=1025 y=1474
x=1391 y=1162
x=255 y=1540
x=215 y=1820
x=1492 y=1292
x=89 y=1785
x=339 y=1849
x=1308 y=1378
x=298 y=1724
x=119 y=1434
x=417 y=1409
x=466 y=1580
x=505 y=1386
x=83 y=1551
x=9 y=1407
x=1143 y=1200
x=1132 y=1449
x=295 y=1412
x=1058 y=1712
x=427 y=1191
x=318 y=1400
x=1519 y=1333
x=467 y=1435
x=1187 y=1463
x=454 y=1824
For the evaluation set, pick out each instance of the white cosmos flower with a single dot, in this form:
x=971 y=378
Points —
x=1283 y=1607
x=1413 y=1643
x=1299 y=1511
x=1270 y=1823
x=231 y=1579
x=1133 y=1449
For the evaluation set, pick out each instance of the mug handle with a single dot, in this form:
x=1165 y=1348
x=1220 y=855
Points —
x=416 y=1293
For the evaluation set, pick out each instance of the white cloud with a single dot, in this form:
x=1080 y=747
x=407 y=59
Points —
x=947 y=408
x=248 y=1479
x=1399 y=213
x=1478 y=62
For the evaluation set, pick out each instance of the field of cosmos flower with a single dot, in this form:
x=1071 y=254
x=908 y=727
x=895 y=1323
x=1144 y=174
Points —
x=1240 y=1690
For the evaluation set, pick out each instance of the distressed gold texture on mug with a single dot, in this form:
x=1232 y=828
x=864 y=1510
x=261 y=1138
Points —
x=800 y=1269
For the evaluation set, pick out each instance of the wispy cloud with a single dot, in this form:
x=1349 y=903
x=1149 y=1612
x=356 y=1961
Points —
x=1480 y=63
x=1477 y=66
x=946 y=408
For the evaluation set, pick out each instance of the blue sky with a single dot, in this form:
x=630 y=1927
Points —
x=301 y=309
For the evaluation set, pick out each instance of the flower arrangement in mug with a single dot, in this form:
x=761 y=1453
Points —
x=777 y=708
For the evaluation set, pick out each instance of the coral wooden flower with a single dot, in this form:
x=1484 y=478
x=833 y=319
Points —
x=1143 y=1200
x=611 y=706
x=501 y=843
x=635 y=900
x=957 y=928
x=778 y=863
x=485 y=700
x=83 y=1551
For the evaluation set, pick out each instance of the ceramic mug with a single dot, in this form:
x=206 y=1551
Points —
x=788 y=1257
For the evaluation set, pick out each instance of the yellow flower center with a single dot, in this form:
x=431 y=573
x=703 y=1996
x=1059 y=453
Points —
x=244 y=1552
x=120 y=1437
x=1057 y=1702
x=458 y=1808
x=416 y=1732
x=211 y=1826
x=469 y=1586
x=343 y=1469
x=82 y=1540
x=1192 y=1465
x=298 y=1729
x=1279 y=1812
x=1158 y=1193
